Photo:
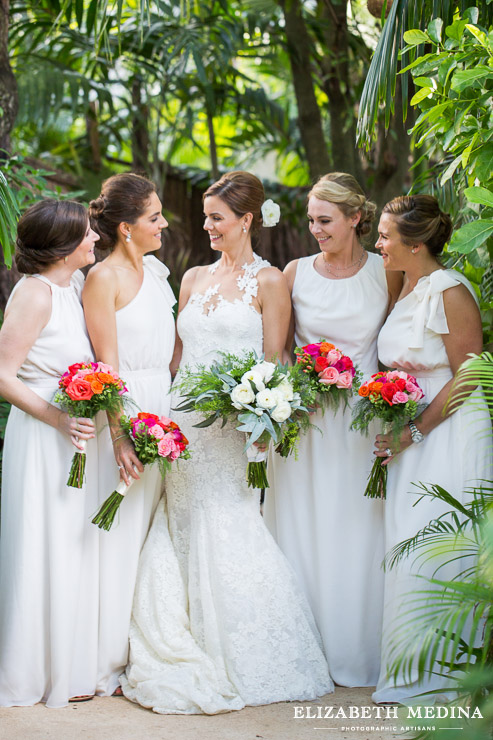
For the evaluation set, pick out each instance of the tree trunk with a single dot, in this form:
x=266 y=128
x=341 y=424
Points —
x=140 y=133
x=93 y=135
x=8 y=84
x=337 y=86
x=212 y=147
x=310 y=120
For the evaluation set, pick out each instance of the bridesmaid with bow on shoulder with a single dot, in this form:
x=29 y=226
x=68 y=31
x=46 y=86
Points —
x=432 y=328
x=128 y=305
x=331 y=534
x=48 y=547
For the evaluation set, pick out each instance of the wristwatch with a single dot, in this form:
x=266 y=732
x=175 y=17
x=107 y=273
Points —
x=416 y=435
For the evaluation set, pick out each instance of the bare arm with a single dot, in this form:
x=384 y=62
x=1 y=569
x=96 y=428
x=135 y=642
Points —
x=290 y=274
x=275 y=303
x=99 y=298
x=185 y=293
x=465 y=336
x=394 y=286
x=28 y=314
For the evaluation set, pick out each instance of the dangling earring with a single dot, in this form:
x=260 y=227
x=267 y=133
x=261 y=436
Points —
x=128 y=237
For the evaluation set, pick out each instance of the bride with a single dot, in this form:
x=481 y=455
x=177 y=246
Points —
x=219 y=621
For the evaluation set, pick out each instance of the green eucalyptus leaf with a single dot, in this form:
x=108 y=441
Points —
x=471 y=236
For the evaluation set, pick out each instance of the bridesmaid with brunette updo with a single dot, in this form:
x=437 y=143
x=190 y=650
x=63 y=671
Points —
x=128 y=306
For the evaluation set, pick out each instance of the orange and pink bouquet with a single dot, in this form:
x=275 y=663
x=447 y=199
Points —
x=85 y=389
x=391 y=396
x=156 y=439
x=329 y=375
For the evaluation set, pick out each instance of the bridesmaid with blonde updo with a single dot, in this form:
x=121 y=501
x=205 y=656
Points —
x=331 y=534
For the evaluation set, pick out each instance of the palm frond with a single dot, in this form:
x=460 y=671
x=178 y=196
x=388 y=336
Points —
x=9 y=213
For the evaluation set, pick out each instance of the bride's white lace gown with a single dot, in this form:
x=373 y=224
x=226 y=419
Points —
x=219 y=621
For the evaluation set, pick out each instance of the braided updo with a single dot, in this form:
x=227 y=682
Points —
x=123 y=198
x=47 y=231
x=419 y=220
x=345 y=192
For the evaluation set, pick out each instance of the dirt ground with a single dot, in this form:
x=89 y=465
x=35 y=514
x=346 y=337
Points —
x=119 y=719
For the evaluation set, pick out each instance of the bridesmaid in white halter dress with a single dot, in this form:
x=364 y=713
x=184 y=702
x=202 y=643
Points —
x=224 y=623
x=48 y=547
x=330 y=533
x=434 y=325
x=128 y=305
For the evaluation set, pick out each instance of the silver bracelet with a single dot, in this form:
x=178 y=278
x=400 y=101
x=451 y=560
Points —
x=119 y=437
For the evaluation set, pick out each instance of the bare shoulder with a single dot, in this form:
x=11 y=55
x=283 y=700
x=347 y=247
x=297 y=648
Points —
x=458 y=299
x=33 y=296
x=271 y=277
x=290 y=273
x=102 y=275
x=191 y=275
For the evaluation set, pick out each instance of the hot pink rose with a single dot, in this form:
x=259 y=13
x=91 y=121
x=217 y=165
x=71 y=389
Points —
x=329 y=376
x=400 y=397
x=334 y=356
x=347 y=362
x=345 y=380
x=156 y=431
x=312 y=349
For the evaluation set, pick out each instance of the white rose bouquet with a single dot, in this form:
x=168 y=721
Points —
x=260 y=396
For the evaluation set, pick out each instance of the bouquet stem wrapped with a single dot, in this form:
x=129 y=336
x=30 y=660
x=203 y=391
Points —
x=85 y=389
x=156 y=439
x=392 y=396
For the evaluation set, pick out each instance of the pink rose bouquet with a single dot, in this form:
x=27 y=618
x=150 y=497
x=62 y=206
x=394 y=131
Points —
x=392 y=396
x=85 y=389
x=156 y=439
x=328 y=375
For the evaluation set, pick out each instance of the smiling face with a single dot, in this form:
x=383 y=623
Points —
x=396 y=255
x=330 y=227
x=224 y=227
x=84 y=254
x=146 y=231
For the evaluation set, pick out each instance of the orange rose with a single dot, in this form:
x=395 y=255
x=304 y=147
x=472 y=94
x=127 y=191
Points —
x=144 y=415
x=89 y=377
x=105 y=378
x=79 y=390
x=376 y=387
x=326 y=347
x=96 y=386
x=364 y=391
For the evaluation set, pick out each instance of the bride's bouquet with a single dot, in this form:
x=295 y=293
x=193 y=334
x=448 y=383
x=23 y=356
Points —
x=83 y=390
x=156 y=439
x=328 y=376
x=391 y=396
x=259 y=396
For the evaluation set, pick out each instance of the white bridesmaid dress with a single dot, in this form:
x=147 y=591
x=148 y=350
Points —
x=48 y=546
x=146 y=336
x=455 y=455
x=219 y=620
x=331 y=534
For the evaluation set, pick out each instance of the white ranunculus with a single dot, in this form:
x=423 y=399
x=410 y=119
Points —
x=242 y=393
x=271 y=213
x=265 y=370
x=267 y=399
x=281 y=412
x=286 y=390
x=254 y=377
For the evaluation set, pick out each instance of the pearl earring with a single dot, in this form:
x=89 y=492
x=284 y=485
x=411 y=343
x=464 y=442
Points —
x=128 y=237
x=414 y=250
x=244 y=229
x=354 y=225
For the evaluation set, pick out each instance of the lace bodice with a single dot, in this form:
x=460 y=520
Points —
x=210 y=323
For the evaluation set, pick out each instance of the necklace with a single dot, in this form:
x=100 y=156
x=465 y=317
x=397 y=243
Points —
x=356 y=263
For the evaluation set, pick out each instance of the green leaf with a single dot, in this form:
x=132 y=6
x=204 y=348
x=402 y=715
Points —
x=466 y=77
x=479 y=195
x=450 y=170
x=421 y=95
x=415 y=37
x=484 y=166
x=424 y=82
x=471 y=236
x=435 y=30
x=478 y=34
x=456 y=30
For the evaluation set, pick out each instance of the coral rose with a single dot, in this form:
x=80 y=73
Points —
x=79 y=390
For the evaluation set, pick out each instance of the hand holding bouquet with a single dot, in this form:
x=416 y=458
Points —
x=259 y=396
x=156 y=439
x=393 y=397
x=85 y=389
x=329 y=375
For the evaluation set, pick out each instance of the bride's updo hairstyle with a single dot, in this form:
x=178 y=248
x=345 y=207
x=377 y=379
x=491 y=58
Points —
x=48 y=231
x=419 y=220
x=345 y=192
x=123 y=198
x=243 y=193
